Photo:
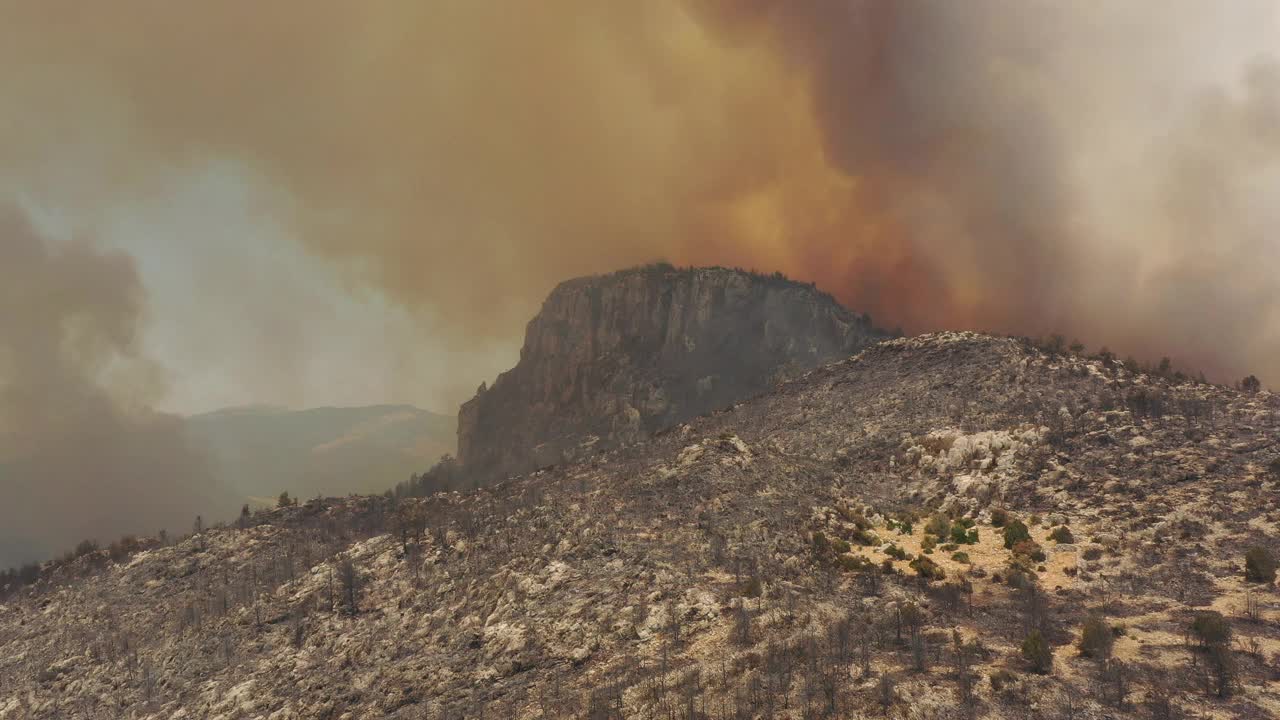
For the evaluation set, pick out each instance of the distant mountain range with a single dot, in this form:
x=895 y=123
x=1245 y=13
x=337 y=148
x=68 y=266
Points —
x=258 y=451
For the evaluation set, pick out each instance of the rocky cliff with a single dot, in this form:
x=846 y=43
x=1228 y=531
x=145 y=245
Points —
x=611 y=358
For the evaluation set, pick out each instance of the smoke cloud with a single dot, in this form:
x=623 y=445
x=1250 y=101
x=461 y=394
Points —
x=1100 y=170
x=81 y=455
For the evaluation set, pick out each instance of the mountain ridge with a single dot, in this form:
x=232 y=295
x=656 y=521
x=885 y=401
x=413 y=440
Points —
x=778 y=557
x=610 y=358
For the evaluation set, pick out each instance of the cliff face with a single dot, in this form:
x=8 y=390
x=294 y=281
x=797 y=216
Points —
x=611 y=358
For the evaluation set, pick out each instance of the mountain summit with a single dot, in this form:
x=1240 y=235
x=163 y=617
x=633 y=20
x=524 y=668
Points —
x=611 y=358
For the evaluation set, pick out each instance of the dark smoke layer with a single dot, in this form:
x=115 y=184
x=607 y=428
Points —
x=81 y=454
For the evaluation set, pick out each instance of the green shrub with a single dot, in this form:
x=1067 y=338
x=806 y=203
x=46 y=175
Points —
x=840 y=546
x=820 y=543
x=1062 y=534
x=896 y=552
x=1034 y=520
x=938 y=526
x=855 y=563
x=999 y=516
x=928 y=544
x=1096 y=638
x=1015 y=532
x=1259 y=565
x=1037 y=652
x=1211 y=629
x=949 y=547
x=963 y=533
x=902 y=525
x=927 y=569
x=961 y=557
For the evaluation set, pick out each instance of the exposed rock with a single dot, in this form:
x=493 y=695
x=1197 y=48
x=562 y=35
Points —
x=618 y=356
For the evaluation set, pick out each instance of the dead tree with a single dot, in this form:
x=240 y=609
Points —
x=349 y=581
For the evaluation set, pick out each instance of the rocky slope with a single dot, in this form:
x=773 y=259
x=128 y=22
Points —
x=769 y=560
x=611 y=358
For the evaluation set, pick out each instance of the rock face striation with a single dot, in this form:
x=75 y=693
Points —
x=611 y=358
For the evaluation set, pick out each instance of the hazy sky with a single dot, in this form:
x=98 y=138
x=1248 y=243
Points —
x=335 y=202
x=241 y=313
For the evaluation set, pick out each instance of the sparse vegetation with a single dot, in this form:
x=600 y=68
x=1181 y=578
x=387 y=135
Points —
x=1037 y=652
x=927 y=569
x=964 y=533
x=1259 y=565
x=903 y=525
x=820 y=544
x=1029 y=549
x=1001 y=679
x=1015 y=532
x=1096 y=638
x=939 y=526
x=690 y=578
x=1213 y=637
x=1210 y=628
x=350 y=581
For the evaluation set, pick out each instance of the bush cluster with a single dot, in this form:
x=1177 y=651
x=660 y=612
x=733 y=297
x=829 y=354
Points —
x=1096 y=638
x=963 y=532
x=1015 y=532
x=939 y=526
x=927 y=569
x=1037 y=652
x=1259 y=565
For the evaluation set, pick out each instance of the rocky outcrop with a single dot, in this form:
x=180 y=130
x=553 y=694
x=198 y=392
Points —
x=612 y=358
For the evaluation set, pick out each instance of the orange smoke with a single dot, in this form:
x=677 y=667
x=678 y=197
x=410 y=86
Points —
x=1019 y=167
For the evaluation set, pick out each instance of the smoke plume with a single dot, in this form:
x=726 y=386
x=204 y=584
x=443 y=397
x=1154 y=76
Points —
x=1101 y=170
x=81 y=455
